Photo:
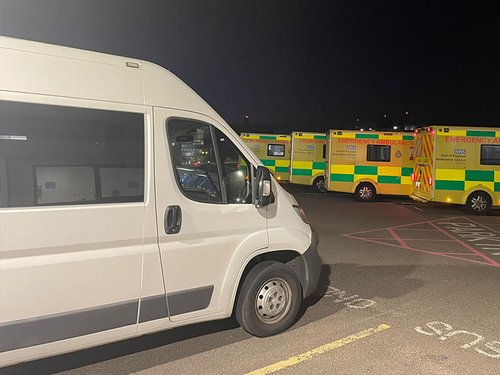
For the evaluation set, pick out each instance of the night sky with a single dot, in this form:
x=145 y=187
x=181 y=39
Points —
x=297 y=65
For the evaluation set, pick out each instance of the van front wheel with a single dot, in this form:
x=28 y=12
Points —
x=478 y=203
x=269 y=299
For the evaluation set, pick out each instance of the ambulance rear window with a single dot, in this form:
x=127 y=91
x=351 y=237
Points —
x=490 y=154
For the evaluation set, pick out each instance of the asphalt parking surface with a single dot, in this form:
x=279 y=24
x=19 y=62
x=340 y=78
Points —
x=406 y=288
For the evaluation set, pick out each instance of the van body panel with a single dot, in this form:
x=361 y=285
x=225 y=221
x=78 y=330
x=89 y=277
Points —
x=52 y=75
x=168 y=91
x=87 y=184
x=210 y=233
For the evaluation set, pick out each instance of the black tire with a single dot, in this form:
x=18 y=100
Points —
x=319 y=184
x=365 y=192
x=269 y=299
x=478 y=203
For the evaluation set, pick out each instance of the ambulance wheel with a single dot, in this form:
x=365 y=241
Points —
x=319 y=184
x=365 y=192
x=478 y=203
x=269 y=299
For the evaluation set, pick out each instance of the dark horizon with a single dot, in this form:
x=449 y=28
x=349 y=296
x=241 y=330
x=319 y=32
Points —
x=297 y=64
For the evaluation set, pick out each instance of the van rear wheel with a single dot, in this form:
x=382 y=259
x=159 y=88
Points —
x=269 y=299
x=478 y=203
x=365 y=192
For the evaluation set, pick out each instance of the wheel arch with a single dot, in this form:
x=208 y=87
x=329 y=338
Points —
x=290 y=258
x=478 y=189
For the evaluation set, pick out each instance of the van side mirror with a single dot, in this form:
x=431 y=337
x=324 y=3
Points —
x=264 y=194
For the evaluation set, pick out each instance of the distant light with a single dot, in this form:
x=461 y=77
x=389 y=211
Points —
x=385 y=116
x=395 y=127
x=407 y=113
x=370 y=129
x=357 y=119
x=362 y=129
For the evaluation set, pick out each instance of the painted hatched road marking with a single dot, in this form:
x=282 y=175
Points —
x=317 y=351
x=459 y=238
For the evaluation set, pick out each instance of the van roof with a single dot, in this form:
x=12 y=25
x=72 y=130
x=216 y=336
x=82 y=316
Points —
x=47 y=69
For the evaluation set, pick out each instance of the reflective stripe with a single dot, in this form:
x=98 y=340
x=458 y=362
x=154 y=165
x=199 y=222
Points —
x=450 y=174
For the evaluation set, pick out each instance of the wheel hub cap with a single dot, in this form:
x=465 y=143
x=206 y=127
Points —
x=365 y=193
x=479 y=203
x=273 y=300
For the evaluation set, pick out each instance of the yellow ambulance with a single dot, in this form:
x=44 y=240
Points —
x=369 y=163
x=458 y=165
x=308 y=158
x=273 y=150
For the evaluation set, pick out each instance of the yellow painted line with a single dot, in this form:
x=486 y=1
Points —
x=320 y=350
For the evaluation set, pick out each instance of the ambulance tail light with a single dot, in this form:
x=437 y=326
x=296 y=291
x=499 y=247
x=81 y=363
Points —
x=413 y=177
x=430 y=181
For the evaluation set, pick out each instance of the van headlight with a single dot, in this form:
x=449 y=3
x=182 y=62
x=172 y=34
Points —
x=300 y=212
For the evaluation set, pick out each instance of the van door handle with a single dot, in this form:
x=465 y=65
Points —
x=173 y=219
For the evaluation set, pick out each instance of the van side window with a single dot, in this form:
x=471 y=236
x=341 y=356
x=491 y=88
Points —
x=54 y=155
x=490 y=154
x=194 y=158
x=236 y=171
x=208 y=167
x=378 y=153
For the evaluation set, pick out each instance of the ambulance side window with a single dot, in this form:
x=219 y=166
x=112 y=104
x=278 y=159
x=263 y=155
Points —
x=490 y=154
x=275 y=150
x=324 y=151
x=378 y=153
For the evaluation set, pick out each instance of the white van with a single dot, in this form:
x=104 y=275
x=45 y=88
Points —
x=128 y=206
